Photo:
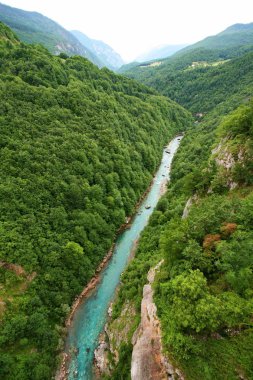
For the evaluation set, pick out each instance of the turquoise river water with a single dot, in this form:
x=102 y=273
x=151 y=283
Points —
x=90 y=317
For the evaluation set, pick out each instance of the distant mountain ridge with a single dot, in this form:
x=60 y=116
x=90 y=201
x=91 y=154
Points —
x=160 y=52
x=232 y=42
x=104 y=52
x=238 y=27
x=235 y=36
x=222 y=62
x=33 y=27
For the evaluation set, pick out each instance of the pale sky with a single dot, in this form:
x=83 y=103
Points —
x=132 y=27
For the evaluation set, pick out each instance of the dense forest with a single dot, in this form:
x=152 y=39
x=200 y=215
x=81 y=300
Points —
x=34 y=28
x=202 y=228
x=215 y=71
x=204 y=290
x=79 y=146
x=199 y=81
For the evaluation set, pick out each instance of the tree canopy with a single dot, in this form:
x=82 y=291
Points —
x=79 y=146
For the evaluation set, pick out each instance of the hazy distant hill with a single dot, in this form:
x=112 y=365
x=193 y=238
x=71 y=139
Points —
x=104 y=52
x=221 y=62
x=160 y=52
x=32 y=27
x=238 y=36
x=230 y=43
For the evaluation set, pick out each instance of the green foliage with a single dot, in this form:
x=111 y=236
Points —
x=204 y=290
x=201 y=80
x=206 y=285
x=7 y=36
x=34 y=28
x=79 y=146
x=221 y=358
x=123 y=368
x=193 y=308
x=236 y=132
x=240 y=122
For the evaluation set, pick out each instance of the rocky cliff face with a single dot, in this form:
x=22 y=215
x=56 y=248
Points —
x=116 y=332
x=104 y=52
x=226 y=156
x=192 y=200
x=148 y=362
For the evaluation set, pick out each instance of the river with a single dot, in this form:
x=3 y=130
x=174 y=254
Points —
x=90 y=317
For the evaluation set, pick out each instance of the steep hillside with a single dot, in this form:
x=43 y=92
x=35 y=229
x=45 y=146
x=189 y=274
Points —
x=238 y=36
x=201 y=76
x=202 y=86
x=79 y=146
x=208 y=277
x=104 y=52
x=203 y=230
x=34 y=28
x=7 y=36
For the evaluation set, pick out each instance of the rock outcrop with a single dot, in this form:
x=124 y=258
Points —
x=101 y=357
x=226 y=157
x=115 y=333
x=148 y=362
x=188 y=205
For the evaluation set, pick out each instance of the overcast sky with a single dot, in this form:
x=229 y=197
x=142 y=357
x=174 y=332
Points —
x=132 y=27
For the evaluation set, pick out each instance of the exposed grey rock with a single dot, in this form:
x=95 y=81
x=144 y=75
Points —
x=188 y=205
x=146 y=357
x=148 y=361
x=100 y=357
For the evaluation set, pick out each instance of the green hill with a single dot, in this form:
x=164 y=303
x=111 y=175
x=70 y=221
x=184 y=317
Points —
x=199 y=86
x=7 y=36
x=204 y=290
x=231 y=42
x=202 y=228
x=34 y=28
x=79 y=146
x=206 y=74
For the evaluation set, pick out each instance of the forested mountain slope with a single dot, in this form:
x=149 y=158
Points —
x=104 y=52
x=198 y=77
x=231 y=42
x=34 y=28
x=201 y=87
x=79 y=145
x=203 y=229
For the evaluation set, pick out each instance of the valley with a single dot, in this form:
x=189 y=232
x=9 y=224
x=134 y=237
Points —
x=80 y=146
x=90 y=316
x=198 y=223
